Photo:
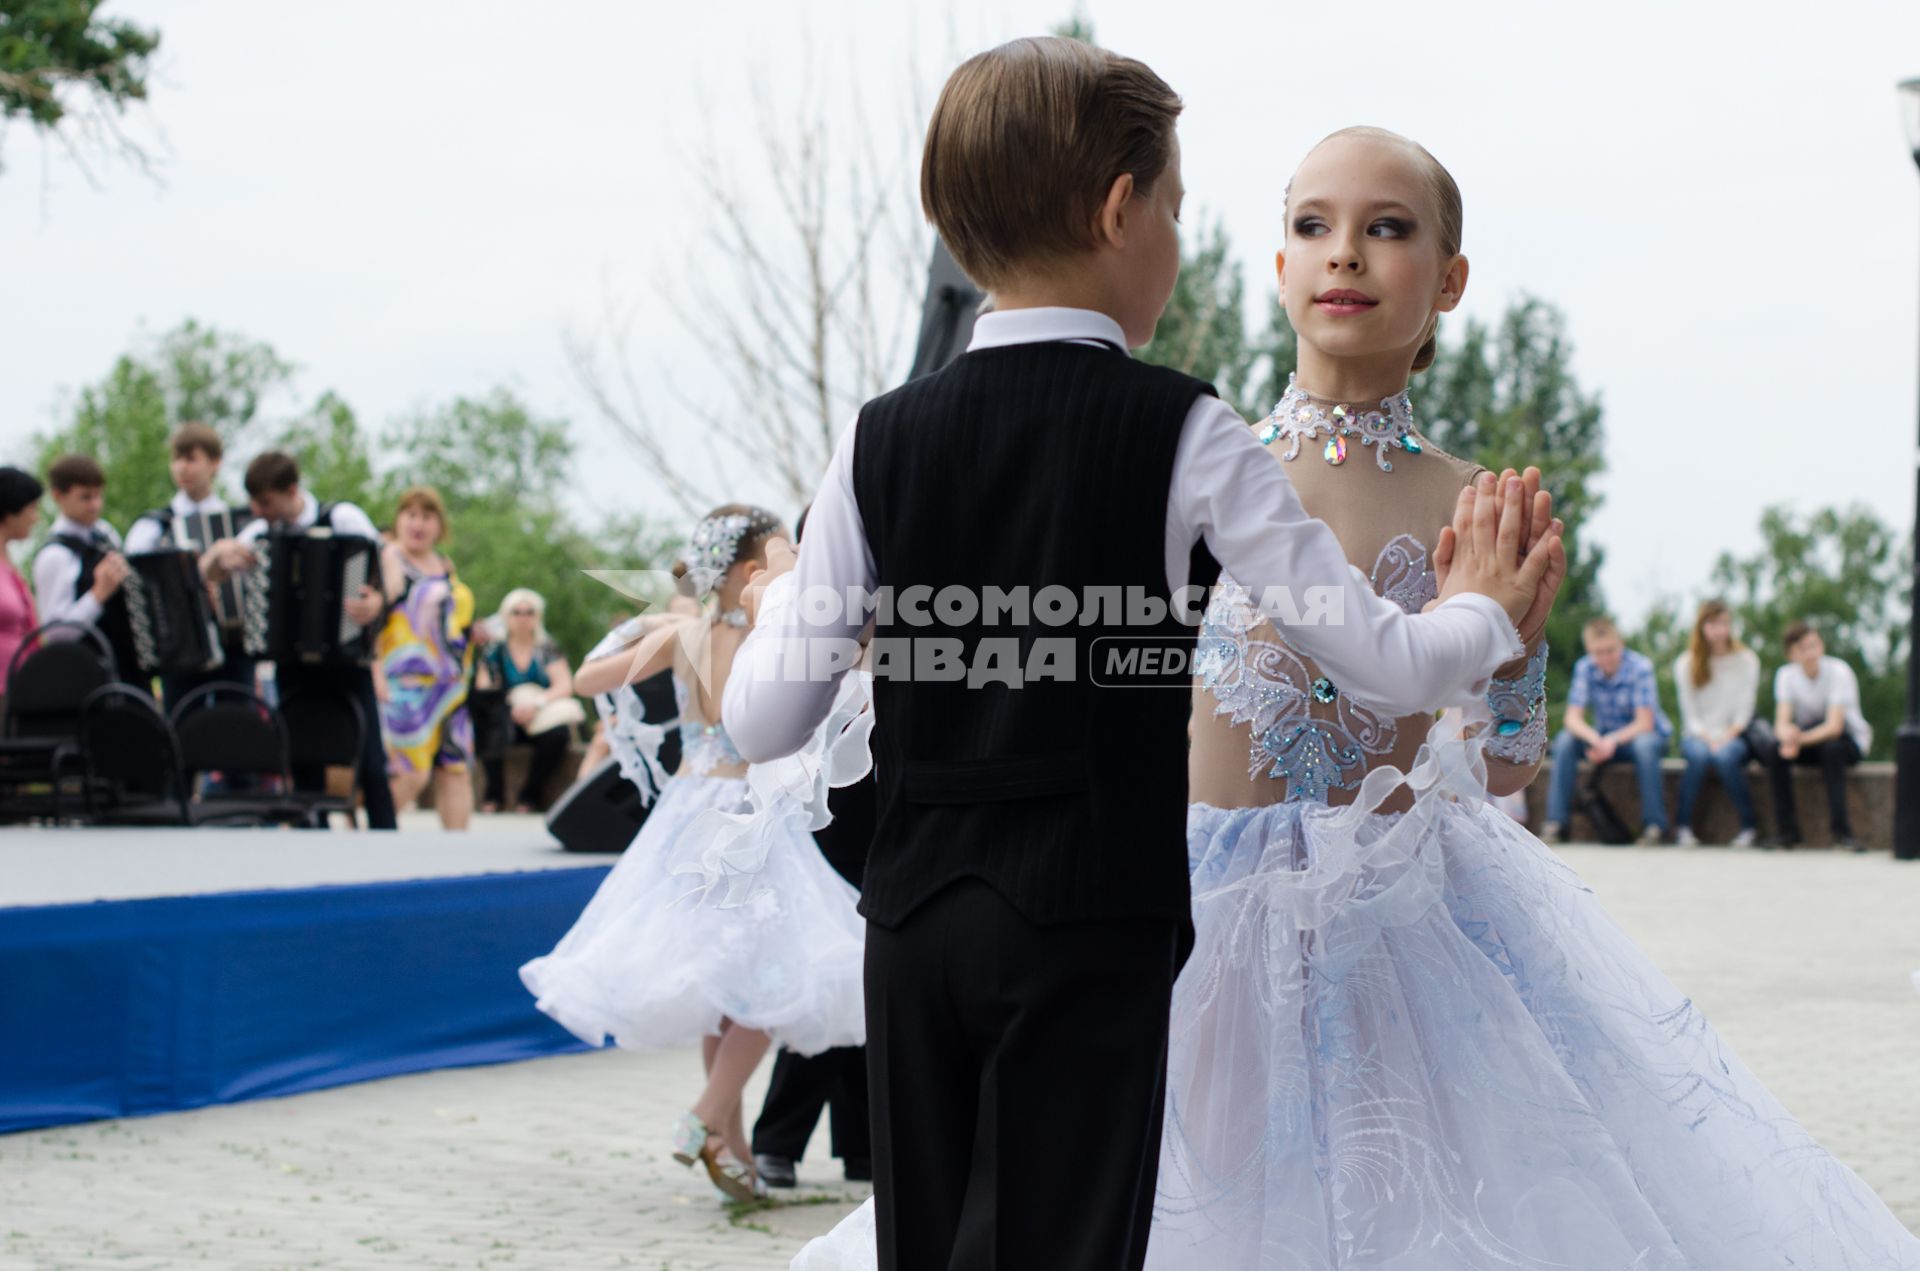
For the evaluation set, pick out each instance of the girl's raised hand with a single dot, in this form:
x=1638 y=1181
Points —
x=1485 y=551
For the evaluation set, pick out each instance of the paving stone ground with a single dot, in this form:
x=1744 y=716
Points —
x=1802 y=961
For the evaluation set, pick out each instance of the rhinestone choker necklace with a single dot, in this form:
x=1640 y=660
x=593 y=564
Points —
x=1385 y=428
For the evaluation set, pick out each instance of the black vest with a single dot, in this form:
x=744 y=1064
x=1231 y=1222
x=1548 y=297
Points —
x=1038 y=466
x=113 y=622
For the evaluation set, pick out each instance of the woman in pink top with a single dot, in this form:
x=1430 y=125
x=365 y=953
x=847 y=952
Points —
x=19 y=510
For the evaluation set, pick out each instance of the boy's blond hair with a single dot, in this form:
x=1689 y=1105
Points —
x=1025 y=143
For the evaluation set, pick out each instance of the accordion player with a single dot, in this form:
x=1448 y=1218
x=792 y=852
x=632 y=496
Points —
x=292 y=603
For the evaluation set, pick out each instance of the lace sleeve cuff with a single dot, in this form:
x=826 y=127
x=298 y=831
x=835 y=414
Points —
x=1518 y=734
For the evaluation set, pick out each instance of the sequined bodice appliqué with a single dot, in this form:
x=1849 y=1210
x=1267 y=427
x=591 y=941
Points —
x=703 y=746
x=1303 y=729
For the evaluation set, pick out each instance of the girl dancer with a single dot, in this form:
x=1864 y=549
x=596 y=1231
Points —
x=1407 y=1036
x=647 y=964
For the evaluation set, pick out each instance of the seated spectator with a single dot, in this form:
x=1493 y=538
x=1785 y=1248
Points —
x=1718 y=679
x=19 y=512
x=1617 y=686
x=1818 y=723
x=530 y=668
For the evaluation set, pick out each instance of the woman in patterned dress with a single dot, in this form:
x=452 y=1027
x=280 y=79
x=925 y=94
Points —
x=426 y=653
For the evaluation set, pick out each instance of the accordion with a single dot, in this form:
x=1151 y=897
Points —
x=171 y=616
x=201 y=530
x=291 y=608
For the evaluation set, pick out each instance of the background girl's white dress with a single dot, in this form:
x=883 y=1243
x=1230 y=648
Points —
x=652 y=962
x=1417 y=1041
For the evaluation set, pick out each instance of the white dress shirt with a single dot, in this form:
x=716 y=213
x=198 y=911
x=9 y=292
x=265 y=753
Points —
x=56 y=571
x=346 y=518
x=1811 y=699
x=144 y=535
x=1226 y=490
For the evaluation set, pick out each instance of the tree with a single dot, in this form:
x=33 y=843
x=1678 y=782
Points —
x=59 y=56
x=1203 y=331
x=333 y=452
x=1846 y=572
x=806 y=296
x=192 y=372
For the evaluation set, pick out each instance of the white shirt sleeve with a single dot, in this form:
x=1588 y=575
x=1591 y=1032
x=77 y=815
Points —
x=1228 y=490
x=347 y=518
x=787 y=673
x=55 y=572
x=143 y=535
x=1844 y=687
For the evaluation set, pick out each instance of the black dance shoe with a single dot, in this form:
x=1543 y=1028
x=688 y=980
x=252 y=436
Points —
x=774 y=1171
x=859 y=1169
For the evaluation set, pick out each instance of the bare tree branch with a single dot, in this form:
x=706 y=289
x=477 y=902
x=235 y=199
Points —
x=804 y=294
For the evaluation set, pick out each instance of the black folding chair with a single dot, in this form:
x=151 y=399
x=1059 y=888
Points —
x=131 y=759
x=225 y=729
x=324 y=731
x=48 y=681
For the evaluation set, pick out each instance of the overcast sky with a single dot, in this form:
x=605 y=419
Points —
x=414 y=200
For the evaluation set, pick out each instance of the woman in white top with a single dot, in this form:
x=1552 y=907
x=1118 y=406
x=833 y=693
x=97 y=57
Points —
x=1817 y=701
x=1719 y=681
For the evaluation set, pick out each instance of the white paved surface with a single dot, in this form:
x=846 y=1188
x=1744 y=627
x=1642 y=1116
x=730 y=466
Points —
x=1802 y=961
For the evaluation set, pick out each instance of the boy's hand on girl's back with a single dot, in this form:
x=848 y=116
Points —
x=1492 y=522
x=780 y=560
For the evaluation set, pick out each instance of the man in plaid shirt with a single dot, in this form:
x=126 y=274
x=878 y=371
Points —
x=1613 y=716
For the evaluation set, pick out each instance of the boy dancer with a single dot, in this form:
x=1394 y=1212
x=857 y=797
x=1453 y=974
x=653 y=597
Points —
x=195 y=519
x=1026 y=892
x=79 y=572
x=273 y=487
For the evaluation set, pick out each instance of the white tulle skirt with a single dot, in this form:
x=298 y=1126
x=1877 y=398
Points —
x=1416 y=1042
x=648 y=965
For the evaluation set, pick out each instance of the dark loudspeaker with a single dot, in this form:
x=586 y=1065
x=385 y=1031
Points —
x=601 y=812
x=946 y=318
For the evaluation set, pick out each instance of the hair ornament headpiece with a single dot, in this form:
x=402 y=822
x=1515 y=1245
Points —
x=715 y=543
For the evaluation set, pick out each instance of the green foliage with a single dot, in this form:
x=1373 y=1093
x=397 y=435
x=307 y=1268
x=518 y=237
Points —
x=124 y=421
x=1841 y=569
x=1077 y=27
x=46 y=45
x=332 y=451
x=1276 y=357
x=218 y=378
x=1203 y=331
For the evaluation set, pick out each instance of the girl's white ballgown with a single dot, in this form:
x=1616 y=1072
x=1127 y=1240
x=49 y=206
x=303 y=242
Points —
x=652 y=962
x=1415 y=1041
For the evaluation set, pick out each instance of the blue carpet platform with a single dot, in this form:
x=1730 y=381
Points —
x=152 y=970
